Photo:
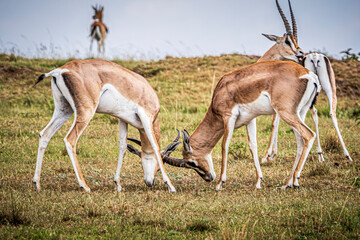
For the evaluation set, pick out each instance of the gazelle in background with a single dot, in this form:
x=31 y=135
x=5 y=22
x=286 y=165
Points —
x=321 y=66
x=98 y=29
x=286 y=47
x=241 y=96
x=83 y=87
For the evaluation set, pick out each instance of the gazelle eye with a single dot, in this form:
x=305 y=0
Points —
x=192 y=164
x=287 y=42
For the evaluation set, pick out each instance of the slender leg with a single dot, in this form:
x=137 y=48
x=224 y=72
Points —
x=272 y=148
x=251 y=132
x=300 y=148
x=91 y=43
x=229 y=125
x=335 y=123
x=316 y=122
x=307 y=139
x=151 y=136
x=80 y=123
x=60 y=116
x=123 y=129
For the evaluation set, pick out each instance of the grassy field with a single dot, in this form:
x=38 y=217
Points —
x=326 y=206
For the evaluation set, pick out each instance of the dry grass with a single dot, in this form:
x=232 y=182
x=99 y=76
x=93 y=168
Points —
x=326 y=205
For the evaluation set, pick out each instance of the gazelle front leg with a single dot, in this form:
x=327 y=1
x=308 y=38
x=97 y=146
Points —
x=316 y=122
x=229 y=125
x=151 y=137
x=123 y=129
x=251 y=131
x=272 y=148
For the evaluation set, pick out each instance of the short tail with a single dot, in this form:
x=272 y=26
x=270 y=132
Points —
x=40 y=78
x=53 y=73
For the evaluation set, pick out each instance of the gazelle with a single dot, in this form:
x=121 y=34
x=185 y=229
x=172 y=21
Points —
x=98 y=29
x=83 y=87
x=263 y=88
x=286 y=47
x=321 y=66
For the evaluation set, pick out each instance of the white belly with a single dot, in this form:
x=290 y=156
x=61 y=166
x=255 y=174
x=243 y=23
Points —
x=113 y=103
x=249 y=111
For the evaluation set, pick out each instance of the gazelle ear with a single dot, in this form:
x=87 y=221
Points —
x=93 y=8
x=272 y=37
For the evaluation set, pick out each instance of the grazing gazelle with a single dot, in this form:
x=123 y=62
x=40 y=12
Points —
x=83 y=87
x=286 y=47
x=98 y=29
x=262 y=88
x=321 y=66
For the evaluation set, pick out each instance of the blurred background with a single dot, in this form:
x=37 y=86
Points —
x=154 y=29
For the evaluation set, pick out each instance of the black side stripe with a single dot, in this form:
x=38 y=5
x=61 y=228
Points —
x=315 y=98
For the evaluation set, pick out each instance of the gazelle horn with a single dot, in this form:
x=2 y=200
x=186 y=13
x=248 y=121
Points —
x=286 y=23
x=164 y=154
x=294 y=27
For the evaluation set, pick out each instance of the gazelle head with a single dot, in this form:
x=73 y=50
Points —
x=98 y=12
x=286 y=47
x=201 y=163
x=196 y=160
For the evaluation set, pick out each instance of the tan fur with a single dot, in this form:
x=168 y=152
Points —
x=280 y=50
x=84 y=79
x=245 y=86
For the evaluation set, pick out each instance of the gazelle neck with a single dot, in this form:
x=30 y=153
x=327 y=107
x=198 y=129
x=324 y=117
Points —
x=272 y=54
x=207 y=134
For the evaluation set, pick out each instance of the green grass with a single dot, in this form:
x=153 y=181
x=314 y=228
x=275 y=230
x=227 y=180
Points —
x=327 y=205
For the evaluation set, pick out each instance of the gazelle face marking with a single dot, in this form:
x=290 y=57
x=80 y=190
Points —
x=203 y=165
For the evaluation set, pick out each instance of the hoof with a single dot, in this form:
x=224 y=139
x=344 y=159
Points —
x=219 y=186
x=321 y=157
x=37 y=185
x=87 y=189
x=297 y=186
x=171 y=188
x=285 y=187
x=348 y=157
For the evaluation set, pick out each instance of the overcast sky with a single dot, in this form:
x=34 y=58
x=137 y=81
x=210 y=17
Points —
x=153 y=29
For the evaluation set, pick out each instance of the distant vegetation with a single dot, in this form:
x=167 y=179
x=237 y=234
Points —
x=348 y=55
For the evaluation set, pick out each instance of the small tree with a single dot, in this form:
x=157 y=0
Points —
x=350 y=56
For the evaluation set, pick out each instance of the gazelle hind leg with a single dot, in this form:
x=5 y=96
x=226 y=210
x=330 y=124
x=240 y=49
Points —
x=306 y=141
x=316 y=122
x=228 y=132
x=300 y=147
x=123 y=129
x=60 y=116
x=272 y=148
x=251 y=132
x=79 y=125
x=151 y=137
x=335 y=123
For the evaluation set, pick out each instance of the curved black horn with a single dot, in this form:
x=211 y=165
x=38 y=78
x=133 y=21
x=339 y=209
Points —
x=174 y=161
x=133 y=150
x=286 y=23
x=138 y=142
x=186 y=141
x=178 y=136
x=294 y=27
x=172 y=146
